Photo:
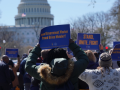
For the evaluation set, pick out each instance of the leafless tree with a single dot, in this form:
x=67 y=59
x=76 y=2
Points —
x=94 y=23
x=11 y=40
x=104 y=27
x=93 y=2
x=115 y=13
x=37 y=29
x=0 y=12
x=5 y=35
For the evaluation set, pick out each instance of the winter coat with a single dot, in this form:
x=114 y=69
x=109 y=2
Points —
x=26 y=77
x=12 y=76
x=49 y=81
x=5 y=78
x=35 y=82
x=109 y=80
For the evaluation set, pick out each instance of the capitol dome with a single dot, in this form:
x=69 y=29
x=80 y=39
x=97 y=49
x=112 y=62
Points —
x=34 y=11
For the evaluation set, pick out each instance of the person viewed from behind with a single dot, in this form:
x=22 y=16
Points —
x=92 y=65
x=59 y=70
x=103 y=78
x=92 y=60
x=35 y=82
x=24 y=56
x=26 y=76
x=5 y=76
x=12 y=76
x=97 y=54
x=21 y=76
x=15 y=68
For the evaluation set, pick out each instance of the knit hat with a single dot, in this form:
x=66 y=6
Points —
x=59 y=66
x=105 y=60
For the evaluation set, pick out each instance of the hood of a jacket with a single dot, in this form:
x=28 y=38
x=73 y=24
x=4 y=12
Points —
x=59 y=66
x=45 y=73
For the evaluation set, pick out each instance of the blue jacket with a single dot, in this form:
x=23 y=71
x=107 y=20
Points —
x=26 y=77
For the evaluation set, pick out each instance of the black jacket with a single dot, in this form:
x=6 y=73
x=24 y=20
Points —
x=4 y=74
x=35 y=82
x=12 y=76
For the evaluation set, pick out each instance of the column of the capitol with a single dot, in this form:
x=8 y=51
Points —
x=43 y=21
x=46 y=21
x=44 y=18
x=40 y=21
x=37 y=21
x=30 y=21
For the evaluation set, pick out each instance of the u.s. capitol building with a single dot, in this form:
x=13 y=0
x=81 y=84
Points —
x=32 y=16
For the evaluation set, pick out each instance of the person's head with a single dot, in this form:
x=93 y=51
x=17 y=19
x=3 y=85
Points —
x=56 y=53
x=110 y=51
x=105 y=60
x=44 y=53
x=90 y=55
x=24 y=56
x=5 y=59
x=11 y=64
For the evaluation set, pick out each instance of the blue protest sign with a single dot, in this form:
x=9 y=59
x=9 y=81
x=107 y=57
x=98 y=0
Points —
x=55 y=36
x=115 y=43
x=12 y=53
x=88 y=41
x=116 y=53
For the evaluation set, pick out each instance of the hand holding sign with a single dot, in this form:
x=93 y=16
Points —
x=38 y=45
x=69 y=55
x=70 y=41
x=101 y=47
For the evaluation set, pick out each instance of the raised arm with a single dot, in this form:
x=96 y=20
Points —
x=82 y=59
x=30 y=65
x=18 y=63
x=85 y=76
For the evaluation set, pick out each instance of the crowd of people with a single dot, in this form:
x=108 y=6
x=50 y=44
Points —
x=56 y=69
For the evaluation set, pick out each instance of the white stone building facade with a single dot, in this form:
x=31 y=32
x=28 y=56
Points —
x=38 y=12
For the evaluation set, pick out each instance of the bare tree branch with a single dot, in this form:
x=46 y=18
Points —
x=37 y=29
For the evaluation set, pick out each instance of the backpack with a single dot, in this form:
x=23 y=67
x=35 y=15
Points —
x=66 y=86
